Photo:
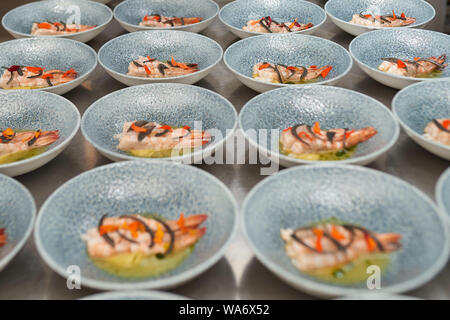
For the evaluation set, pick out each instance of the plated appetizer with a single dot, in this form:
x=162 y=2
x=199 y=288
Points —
x=279 y=73
x=268 y=25
x=57 y=28
x=152 y=68
x=153 y=140
x=438 y=130
x=3 y=237
x=313 y=143
x=20 y=145
x=338 y=252
x=142 y=245
x=158 y=21
x=389 y=21
x=27 y=77
x=416 y=67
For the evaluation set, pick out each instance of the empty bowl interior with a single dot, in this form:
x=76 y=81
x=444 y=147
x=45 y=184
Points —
x=133 y=11
x=238 y=13
x=369 y=48
x=345 y=9
x=185 y=47
x=164 y=188
x=173 y=104
x=293 y=50
x=48 y=53
x=90 y=13
x=332 y=107
x=356 y=195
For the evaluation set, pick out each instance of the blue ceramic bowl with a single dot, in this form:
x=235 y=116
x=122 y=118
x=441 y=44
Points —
x=341 y=12
x=288 y=49
x=236 y=14
x=116 y=54
x=378 y=201
x=33 y=110
x=135 y=295
x=16 y=217
x=130 y=13
x=333 y=107
x=162 y=187
x=368 y=49
x=416 y=105
x=443 y=193
x=19 y=20
x=50 y=53
x=169 y=103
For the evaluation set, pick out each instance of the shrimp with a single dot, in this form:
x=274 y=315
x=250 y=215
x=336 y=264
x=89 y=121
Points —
x=150 y=236
x=438 y=130
x=331 y=245
x=3 y=237
x=143 y=135
x=304 y=139
x=23 y=77
x=389 y=21
x=279 y=73
x=416 y=67
x=152 y=68
x=159 y=21
x=57 y=28
x=268 y=25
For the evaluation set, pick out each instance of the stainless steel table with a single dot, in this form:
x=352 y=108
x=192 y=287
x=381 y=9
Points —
x=238 y=275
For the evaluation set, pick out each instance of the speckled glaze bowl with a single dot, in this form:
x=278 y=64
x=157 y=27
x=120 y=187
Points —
x=33 y=110
x=333 y=107
x=443 y=193
x=416 y=105
x=19 y=20
x=135 y=295
x=115 y=55
x=288 y=49
x=166 y=188
x=50 y=53
x=368 y=49
x=236 y=14
x=380 y=202
x=130 y=13
x=169 y=103
x=16 y=217
x=341 y=12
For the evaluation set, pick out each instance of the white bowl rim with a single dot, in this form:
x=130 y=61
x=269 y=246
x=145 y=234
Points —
x=177 y=158
x=263 y=33
x=328 y=289
x=438 y=193
x=29 y=35
x=5 y=260
x=372 y=155
x=62 y=85
x=166 y=28
x=149 y=283
x=338 y=77
x=379 y=28
x=408 y=128
x=390 y=75
x=150 y=80
x=147 y=294
x=56 y=149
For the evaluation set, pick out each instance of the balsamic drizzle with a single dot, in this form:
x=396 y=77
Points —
x=440 y=126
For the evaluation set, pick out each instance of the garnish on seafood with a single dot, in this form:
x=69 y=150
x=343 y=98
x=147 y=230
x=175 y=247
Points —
x=389 y=21
x=20 y=145
x=416 y=67
x=142 y=245
x=338 y=252
x=152 y=68
x=158 y=21
x=268 y=25
x=280 y=73
x=151 y=139
x=438 y=130
x=27 y=77
x=57 y=28
x=314 y=143
x=3 y=237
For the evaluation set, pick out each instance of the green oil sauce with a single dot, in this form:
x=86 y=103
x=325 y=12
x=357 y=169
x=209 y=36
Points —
x=434 y=74
x=21 y=155
x=23 y=88
x=321 y=156
x=149 y=153
x=291 y=82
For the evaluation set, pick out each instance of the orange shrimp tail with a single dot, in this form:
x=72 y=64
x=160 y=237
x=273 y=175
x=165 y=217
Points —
x=47 y=138
x=360 y=136
x=390 y=241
